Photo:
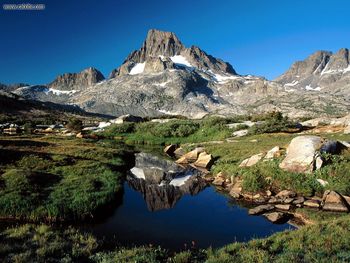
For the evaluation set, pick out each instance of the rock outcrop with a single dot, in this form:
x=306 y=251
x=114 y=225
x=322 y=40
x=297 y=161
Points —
x=77 y=81
x=204 y=160
x=322 y=71
x=302 y=154
x=332 y=201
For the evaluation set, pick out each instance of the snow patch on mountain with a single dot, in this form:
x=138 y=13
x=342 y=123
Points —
x=295 y=82
x=138 y=68
x=335 y=71
x=60 y=92
x=168 y=112
x=308 y=87
x=181 y=61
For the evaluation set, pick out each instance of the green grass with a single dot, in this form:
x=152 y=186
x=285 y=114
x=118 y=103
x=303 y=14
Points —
x=326 y=241
x=230 y=155
x=174 y=131
x=68 y=179
x=30 y=243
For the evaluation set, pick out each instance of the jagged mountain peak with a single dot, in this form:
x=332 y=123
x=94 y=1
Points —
x=173 y=55
x=162 y=43
x=322 y=70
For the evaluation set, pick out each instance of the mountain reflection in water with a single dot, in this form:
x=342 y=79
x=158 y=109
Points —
x=161 y=182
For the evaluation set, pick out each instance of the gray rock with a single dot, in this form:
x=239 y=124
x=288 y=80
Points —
x=299 y=200
x=301 y=154
x=286 y=194
x=127 y=118
x=312 y=203
x=260 y=209
x=251 y=160
x=332 y=201
x=288 y=200
x=240 y=133
x=276 y=217
x=274 y=200
x=283 y=207
x=77 y=81
x=204 y=160
x=320 y=72
x=179 y=152
x=274 y=152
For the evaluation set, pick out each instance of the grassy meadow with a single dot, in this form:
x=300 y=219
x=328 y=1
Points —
x=56 y=179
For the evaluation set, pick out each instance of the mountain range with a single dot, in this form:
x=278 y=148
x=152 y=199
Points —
x=166 y=77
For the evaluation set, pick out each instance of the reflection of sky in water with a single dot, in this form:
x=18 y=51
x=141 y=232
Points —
x=208 y=218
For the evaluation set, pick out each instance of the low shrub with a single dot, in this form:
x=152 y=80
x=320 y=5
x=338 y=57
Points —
x=274 y=122
x=116 y=129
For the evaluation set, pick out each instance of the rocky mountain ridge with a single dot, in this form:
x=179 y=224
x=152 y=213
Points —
x=321 y=71
x=165 y=77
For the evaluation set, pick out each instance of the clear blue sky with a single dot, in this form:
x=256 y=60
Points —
x=259 y=37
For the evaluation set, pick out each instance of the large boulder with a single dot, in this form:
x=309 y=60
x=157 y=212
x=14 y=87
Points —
x=191 y=156
x=204 y=160
x=301 y=154
x=332 y=147
x=251 y=160
x=332 y=201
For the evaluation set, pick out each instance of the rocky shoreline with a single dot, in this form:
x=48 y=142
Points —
x=303 y=155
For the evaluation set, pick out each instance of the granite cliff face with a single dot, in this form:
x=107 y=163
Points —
x=165 y=77
x=77 y=81
x=163 y=50
x=321 y=71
